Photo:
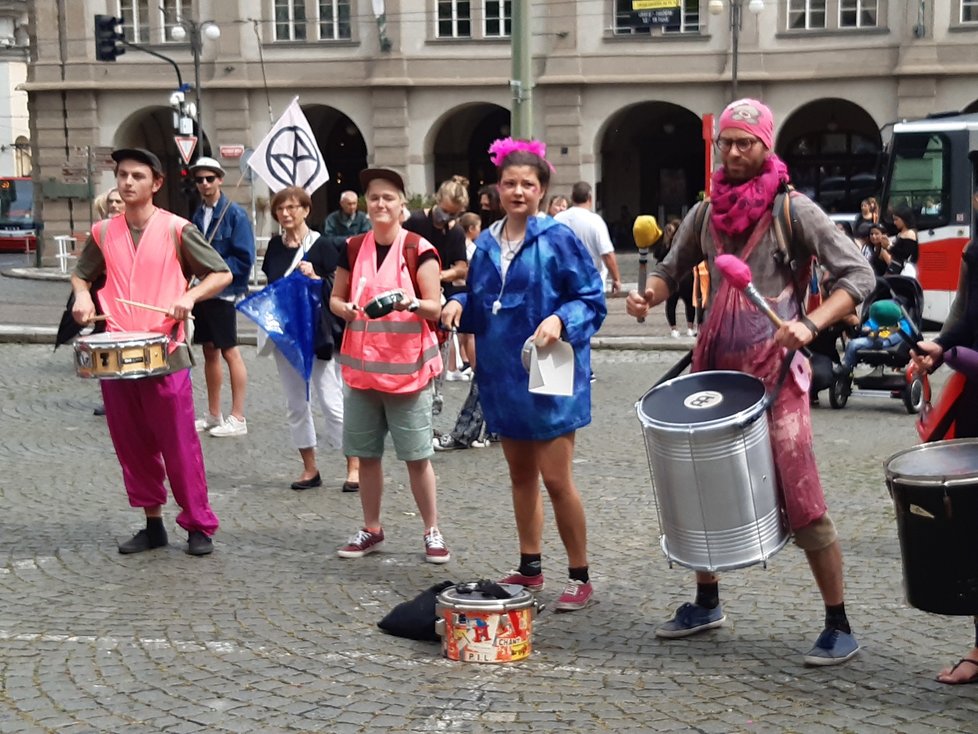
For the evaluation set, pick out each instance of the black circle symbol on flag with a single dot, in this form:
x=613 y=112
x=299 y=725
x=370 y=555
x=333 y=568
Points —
x=292 y=153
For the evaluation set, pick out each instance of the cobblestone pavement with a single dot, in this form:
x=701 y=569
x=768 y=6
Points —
x=273 y=633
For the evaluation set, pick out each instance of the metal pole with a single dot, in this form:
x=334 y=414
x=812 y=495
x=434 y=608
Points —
x=522 y=83
x=195 y=44
x=735 y=19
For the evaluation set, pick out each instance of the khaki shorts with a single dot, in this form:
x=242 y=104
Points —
x=369 y=415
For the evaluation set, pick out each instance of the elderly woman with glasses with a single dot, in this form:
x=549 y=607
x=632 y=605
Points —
x=300 y=248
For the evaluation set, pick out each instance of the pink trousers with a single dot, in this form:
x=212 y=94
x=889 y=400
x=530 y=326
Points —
x=151 y=422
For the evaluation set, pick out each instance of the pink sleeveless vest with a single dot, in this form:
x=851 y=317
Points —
x=397 y=353
x=150 y=273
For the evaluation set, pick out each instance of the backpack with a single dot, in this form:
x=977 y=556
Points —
x=791 y=253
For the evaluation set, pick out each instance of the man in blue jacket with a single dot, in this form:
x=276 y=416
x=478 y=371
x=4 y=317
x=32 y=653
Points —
x=228 y=230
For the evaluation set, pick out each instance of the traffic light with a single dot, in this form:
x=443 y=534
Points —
x=108 y=38
x=187 y=183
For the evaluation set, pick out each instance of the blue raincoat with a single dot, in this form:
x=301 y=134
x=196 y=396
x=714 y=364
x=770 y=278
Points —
x=551 y=274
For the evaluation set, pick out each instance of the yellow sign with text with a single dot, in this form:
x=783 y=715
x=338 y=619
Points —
x=638 y=5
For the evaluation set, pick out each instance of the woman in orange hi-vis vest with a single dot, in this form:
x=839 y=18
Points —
x=389 y=361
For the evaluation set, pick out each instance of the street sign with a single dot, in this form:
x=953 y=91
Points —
x=186 y=145
x=232 y=151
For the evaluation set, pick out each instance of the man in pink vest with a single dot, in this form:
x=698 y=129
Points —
x=149 y=256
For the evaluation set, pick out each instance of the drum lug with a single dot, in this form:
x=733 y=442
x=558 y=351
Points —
x=440 y=627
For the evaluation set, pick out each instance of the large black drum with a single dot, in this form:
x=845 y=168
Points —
x=713 y=474
x=935 y=492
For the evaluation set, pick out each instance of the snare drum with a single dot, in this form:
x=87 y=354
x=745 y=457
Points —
x=121 y=355
x=382 y=304
x=713 y=478
x=476 y=628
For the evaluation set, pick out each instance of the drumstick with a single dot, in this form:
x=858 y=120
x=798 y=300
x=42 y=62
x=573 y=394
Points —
x=360 y=286
x=738 y=274
x=149 y=307
x=100 y=317
x=643 y=259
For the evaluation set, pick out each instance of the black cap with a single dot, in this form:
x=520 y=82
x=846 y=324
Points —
x=369 y=174
x=139 y=154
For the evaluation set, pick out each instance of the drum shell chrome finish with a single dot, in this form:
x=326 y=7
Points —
x=714 y=481
x=122 y=355
x=934 y=488
x=476 y=628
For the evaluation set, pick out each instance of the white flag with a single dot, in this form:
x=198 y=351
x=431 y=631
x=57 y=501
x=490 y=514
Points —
x=289 y=154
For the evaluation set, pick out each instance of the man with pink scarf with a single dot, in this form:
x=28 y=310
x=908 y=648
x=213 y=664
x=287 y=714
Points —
x=737 y=336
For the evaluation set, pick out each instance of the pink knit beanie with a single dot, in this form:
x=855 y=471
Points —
x=752 y=117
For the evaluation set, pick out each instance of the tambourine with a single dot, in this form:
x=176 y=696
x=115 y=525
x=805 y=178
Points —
x=382 y=304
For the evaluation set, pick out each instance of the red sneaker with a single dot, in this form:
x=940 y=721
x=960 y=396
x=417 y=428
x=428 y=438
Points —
x=361 y=544
x=576 y=595
x=435 y=550
x=531 y=583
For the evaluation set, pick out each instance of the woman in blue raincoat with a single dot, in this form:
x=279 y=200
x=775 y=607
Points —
x=531 y=277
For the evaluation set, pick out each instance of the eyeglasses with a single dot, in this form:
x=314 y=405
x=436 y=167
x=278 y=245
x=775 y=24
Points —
x=206 y=179
x=288 y=208
x=741 y=144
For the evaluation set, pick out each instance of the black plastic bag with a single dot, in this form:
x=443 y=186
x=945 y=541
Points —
x=415 y=618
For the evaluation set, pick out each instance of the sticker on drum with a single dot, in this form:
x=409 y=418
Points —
x=703 y=400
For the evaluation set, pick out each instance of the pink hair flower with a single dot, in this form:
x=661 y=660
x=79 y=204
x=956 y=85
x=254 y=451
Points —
x=503 y=147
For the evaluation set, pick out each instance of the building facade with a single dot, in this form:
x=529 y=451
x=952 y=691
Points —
x=425 y=87
x=14 y=131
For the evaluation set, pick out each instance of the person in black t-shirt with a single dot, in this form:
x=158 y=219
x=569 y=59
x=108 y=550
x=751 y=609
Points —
x=439 y=225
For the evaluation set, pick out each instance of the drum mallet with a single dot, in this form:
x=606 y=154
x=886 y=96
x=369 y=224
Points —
x=646 y=233
x=738 y=274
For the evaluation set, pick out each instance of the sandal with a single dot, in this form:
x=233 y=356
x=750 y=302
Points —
x=972 y=679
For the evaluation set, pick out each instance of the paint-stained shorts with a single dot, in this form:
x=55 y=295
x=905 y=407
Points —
x=369 y=415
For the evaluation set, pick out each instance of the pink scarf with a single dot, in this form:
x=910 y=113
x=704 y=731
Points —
x=738 y=206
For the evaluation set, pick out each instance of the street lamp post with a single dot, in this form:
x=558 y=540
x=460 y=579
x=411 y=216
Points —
x=186 y=28
x=736 y=23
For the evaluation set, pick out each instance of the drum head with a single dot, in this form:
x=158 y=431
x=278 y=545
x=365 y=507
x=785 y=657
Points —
x=941 y=460
x=702 y=397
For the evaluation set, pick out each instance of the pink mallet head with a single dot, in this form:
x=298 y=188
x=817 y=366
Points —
x=735 y=270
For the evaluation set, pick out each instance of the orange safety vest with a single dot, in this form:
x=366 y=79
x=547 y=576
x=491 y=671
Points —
x=150 y=274
x=397 y=353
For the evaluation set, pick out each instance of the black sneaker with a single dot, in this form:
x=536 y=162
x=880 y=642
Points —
x=198 y=544
x=143 y=541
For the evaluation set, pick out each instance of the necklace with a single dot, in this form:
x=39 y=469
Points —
x=511 y=247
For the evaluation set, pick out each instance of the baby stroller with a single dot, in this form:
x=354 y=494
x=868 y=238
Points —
x=891 y=365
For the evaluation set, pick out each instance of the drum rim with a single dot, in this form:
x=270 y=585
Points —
x=930 y=479
x=521 y=599
x=132 y=339
x=732 y=419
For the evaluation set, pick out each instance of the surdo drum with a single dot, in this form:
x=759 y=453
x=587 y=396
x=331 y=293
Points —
x=121 y=355
x=935 y=494
x=713 y=477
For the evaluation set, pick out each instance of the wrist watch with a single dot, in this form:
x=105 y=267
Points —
x=414 y=305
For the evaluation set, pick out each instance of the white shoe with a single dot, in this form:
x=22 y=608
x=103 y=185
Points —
x=208 y=422
x=690 y=332
x=675 y=333
x=457 y=376
x=230 y=427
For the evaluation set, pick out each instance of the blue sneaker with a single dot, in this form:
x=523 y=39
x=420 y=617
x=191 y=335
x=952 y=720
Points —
x=832 y=647
x=690 y=619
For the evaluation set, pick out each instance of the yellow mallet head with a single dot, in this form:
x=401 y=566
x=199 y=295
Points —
x=646 y=231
